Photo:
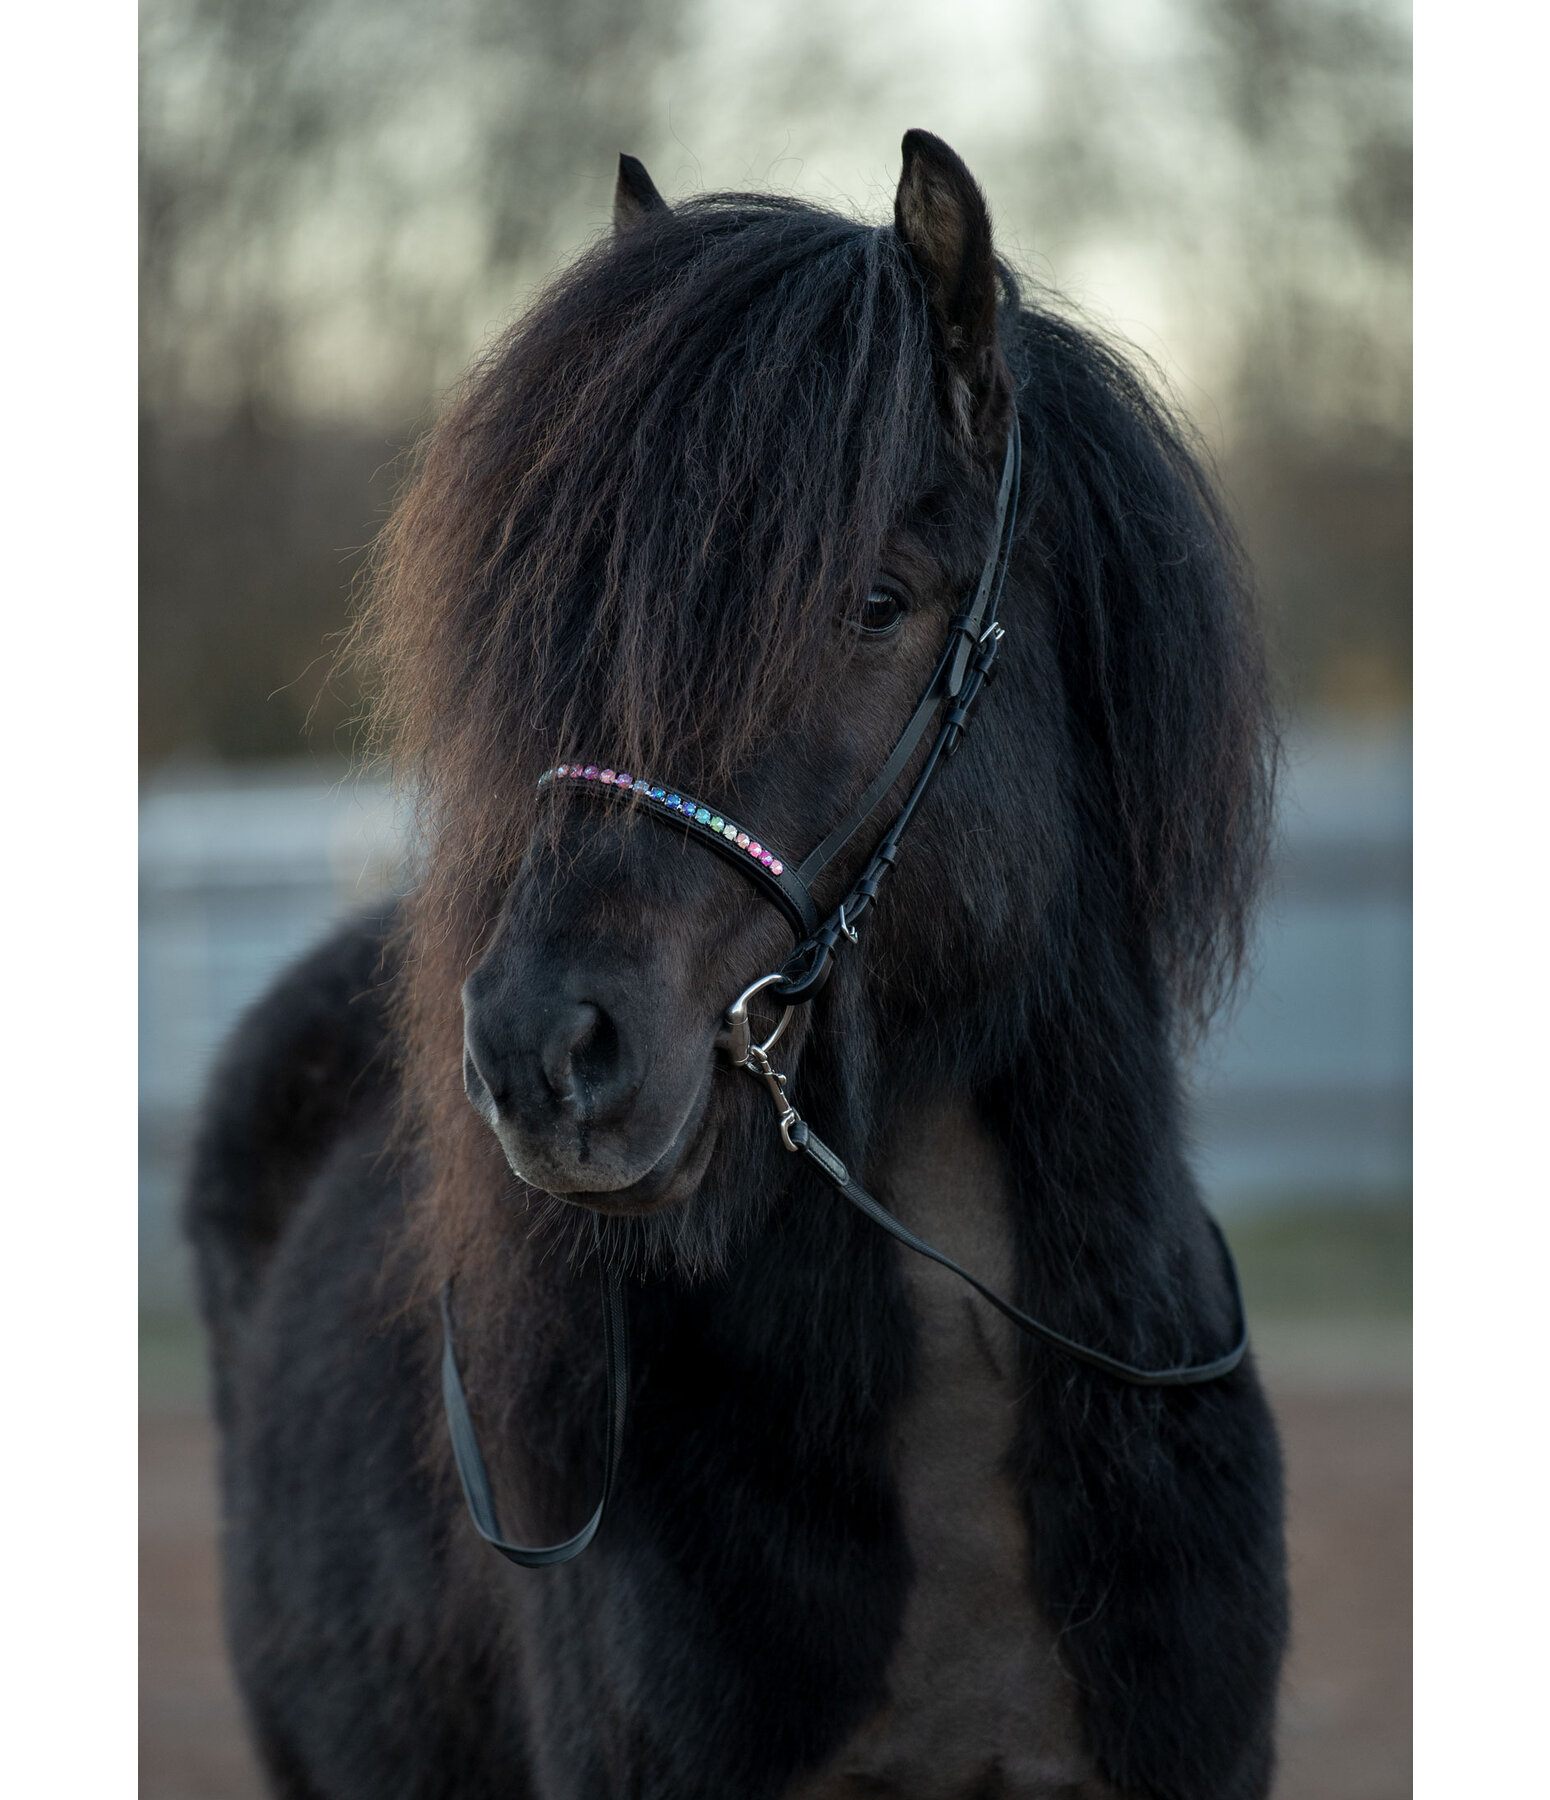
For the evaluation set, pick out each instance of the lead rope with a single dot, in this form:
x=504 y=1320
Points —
x=465 y=1441
x=797 y=1135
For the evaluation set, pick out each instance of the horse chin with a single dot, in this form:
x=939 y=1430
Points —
x=672 y=1182
x=669 y=1181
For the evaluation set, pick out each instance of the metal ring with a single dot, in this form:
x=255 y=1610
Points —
x=737 y=1028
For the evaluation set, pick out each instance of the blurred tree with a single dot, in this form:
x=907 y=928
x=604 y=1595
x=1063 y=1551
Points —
x=1320 y=458
x=337 y=198
x=1280 y=192
x=338 y=195
x=341 y=196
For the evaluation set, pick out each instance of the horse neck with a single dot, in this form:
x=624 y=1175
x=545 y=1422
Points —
x=1049 y=1133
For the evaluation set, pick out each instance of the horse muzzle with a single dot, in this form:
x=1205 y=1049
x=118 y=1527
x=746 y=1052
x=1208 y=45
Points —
x=595 y=1088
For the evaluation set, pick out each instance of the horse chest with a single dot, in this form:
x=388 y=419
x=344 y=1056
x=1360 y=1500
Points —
x=978 y=1702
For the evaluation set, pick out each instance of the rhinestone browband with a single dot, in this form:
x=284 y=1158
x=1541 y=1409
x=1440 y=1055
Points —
x=663 y=798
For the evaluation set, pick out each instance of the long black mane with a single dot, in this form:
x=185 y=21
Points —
x=1160 y=654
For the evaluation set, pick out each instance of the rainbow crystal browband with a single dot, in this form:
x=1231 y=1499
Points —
x=682 y=804
x=780 y=883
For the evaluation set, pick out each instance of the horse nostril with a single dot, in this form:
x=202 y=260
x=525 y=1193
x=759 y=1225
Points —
x=579 y=1044
x=527 y=1067
x=477 y=1087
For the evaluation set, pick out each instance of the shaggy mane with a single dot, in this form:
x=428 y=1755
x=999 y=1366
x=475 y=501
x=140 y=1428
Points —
x=629 y=533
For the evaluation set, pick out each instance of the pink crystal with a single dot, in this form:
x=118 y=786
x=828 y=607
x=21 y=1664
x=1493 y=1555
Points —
x=777 y=867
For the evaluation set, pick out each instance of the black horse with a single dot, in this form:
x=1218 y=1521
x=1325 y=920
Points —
x=704 y=516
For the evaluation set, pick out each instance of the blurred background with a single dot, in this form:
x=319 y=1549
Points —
x=343 y=201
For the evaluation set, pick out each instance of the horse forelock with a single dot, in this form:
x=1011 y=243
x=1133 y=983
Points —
x=631 y=529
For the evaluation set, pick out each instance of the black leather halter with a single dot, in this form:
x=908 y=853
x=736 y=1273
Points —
x=965 y=665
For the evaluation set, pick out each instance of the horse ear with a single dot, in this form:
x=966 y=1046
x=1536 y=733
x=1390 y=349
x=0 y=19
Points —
x=944 y=224
x=635 y=196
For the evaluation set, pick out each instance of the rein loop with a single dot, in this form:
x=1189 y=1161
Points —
x=466 y=1454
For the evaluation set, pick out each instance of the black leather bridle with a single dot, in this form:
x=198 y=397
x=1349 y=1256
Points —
x=964 y=667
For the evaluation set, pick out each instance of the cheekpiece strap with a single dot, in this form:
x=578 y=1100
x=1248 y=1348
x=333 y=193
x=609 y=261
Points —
x=963 y=636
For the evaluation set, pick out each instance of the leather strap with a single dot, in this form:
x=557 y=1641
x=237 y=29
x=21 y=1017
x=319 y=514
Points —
x=966 y=664
x=839 y=1177
x=465 y=1442
x=947 y=681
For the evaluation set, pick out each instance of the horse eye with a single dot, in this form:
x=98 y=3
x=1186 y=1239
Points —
x=880 y=612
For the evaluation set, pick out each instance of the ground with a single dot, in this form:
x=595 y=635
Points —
x=1326 y=1295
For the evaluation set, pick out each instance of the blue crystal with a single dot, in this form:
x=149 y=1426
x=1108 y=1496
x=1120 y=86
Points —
x=703 y=815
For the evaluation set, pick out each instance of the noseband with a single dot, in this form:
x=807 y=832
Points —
x=965 y=666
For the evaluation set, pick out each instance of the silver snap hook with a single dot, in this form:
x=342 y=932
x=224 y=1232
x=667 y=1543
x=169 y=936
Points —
x=736 y=1038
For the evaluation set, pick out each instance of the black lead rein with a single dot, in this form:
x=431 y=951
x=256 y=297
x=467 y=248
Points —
x=800 y=1136
x=465 y=1441
x=966 y=664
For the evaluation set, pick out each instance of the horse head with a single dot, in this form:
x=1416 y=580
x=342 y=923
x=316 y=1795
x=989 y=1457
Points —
x=703 y=519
